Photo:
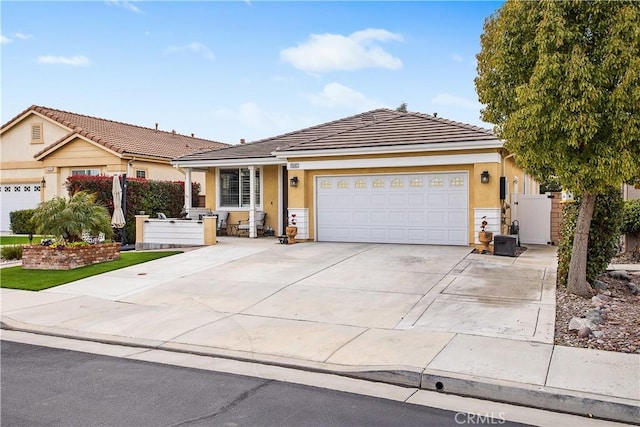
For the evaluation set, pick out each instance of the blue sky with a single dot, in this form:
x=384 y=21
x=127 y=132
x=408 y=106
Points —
x=240 y=69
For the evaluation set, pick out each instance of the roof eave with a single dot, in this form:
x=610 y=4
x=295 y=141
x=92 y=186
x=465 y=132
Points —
x=202 y=163
x=389 y=149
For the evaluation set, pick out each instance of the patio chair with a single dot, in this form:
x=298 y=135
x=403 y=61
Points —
x=243 y=225
x=222 y=222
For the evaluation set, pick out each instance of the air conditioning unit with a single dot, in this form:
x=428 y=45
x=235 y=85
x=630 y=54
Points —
x=504 y=245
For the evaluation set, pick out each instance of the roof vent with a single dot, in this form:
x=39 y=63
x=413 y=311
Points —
x=435 y=114
x=192 y=135
x=173 y=132
x=241 y=141
x=156 y=125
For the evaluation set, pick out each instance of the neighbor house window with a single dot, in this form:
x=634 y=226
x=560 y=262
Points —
x=234 y=188
x=141 y=173
x=87 y=172
x=36 y=133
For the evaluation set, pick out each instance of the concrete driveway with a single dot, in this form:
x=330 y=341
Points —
x=310 y=300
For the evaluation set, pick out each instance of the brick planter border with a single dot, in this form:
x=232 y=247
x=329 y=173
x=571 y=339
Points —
x=46 y=258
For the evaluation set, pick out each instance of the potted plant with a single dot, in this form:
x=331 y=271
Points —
x=485 y=237
x=292 y=229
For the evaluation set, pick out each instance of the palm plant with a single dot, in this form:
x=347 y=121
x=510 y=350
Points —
x=68 y=218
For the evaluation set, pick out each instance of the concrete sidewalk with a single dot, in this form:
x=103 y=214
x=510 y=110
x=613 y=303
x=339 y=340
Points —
x=438 y=318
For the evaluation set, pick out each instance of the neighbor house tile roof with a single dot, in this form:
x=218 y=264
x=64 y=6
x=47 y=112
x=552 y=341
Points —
x=381 y=127
x=123 y=138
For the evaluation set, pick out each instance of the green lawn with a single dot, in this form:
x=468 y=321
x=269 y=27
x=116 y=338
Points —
x=21 y=239
x=36 y=280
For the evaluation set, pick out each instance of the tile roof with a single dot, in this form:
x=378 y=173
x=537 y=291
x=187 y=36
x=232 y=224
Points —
x=122 y=138
x=376 y=128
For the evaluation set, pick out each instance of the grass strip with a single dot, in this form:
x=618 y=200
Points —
x=18 y=239
x=37 y=280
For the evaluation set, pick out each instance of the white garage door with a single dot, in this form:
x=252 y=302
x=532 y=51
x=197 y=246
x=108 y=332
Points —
x=15 y=197
x=418 y=208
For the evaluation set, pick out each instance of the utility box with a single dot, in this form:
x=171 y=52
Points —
x=504 y=245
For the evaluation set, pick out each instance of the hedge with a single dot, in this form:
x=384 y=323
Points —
x=21 y=221
x=631 y=217
x=142 y=195
x=604 y=235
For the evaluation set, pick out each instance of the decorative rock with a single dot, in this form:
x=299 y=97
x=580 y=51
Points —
x=603 y=297
x=599 y=285
x=635 y=290
x=594 y=317
x=584 y=332
x=620 y=274
x=598 y=334
x=577 y=322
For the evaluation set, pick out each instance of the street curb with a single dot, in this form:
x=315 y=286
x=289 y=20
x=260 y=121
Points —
x=547 y=398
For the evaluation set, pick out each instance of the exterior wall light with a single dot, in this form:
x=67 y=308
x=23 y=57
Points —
x=484 y=177
x=43 y=183
x=294 y=181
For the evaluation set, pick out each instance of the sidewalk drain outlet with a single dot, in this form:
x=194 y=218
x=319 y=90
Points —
x=439 y=386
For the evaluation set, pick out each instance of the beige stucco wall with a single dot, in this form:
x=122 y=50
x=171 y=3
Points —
x=303 y=196
x=16 y=146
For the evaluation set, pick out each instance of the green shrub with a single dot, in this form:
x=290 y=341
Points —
x=142 y=195
x=604 y=235
x=631 y=217
x=21 y=221
x=67 y=219
x=11 y=252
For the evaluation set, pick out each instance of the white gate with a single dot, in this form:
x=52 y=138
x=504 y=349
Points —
x=533 y=212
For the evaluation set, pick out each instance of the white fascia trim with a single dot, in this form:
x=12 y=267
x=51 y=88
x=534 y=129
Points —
x=228 y=162
x=445 y=146
x=71 y=138
x=389 y=162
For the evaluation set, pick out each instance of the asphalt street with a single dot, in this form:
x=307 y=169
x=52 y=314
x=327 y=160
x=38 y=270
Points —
x=42 y=386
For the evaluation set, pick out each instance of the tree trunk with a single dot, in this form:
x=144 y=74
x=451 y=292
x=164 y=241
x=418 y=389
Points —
x=577 y=279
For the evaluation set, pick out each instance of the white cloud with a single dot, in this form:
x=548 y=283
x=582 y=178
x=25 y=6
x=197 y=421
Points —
x=447 y=99
x=456 y=57
x=253 y=122
x=328 y=52
x=124 y=4
x=4 y=39
x=193 y=47
x=23 y=36
x=336 y=95
x=77 y=61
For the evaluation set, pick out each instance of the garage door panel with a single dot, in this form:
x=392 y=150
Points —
x=397 y=217
x=416 y=218
x=379 y=200
x=457 y=200
x=416 y=200
x=429 y=208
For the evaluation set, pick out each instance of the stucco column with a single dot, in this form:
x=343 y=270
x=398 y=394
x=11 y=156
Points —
x=252 y=202
x=187 y=190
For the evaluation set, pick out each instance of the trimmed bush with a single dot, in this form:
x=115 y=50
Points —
x=21 y=221
x=11 y=252
x=604 y=235
x=631 y=217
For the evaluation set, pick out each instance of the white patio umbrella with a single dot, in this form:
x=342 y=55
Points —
x=117 y=220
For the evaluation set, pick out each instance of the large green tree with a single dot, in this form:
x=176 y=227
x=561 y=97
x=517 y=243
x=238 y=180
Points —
x=561 y=82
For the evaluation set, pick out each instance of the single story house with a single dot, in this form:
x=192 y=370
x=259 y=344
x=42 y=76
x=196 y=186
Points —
x=41 y=147
x=380 y=176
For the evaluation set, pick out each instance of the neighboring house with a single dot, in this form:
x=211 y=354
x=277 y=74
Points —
x=41 y=147
x=381 y=176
